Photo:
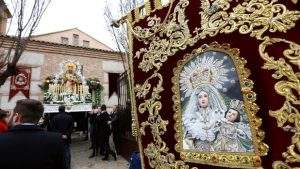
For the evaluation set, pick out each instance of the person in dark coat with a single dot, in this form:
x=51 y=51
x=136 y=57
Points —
x=93 y=131
x=63 y=123
x=115 y=126
x=104 y=131
x=26 y=145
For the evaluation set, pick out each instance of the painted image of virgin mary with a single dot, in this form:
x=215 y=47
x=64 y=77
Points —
x=204 y=108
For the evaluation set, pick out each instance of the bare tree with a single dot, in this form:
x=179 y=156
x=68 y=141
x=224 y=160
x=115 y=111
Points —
x=26 y=16
x=114 y=11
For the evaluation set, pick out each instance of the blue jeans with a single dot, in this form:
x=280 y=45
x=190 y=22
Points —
x=67 y=156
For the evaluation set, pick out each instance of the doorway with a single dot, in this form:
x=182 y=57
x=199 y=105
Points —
x=113 y=83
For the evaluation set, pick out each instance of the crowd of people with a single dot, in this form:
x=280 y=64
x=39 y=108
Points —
x=100 y=132
x=26 y=143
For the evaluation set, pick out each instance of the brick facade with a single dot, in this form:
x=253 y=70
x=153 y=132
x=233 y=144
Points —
x=92 y=67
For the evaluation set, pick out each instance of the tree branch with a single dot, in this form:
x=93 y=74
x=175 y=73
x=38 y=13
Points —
x=25 y=28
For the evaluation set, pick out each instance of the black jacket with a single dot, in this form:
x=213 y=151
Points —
x=30 y=147
x=63 y=123
x=115 y=122
x=93 y=118
x=103 y=127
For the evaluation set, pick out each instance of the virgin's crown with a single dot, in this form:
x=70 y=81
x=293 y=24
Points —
x=70 y=66
x=200 y=76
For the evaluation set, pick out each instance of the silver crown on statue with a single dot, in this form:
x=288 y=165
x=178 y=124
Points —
x=237 y=105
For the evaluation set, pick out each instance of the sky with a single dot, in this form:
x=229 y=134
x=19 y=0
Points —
x=86 y=15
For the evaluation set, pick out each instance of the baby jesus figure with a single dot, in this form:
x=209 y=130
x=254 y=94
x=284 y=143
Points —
x=231 y=134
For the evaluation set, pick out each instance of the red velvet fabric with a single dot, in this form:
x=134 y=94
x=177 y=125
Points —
x=267 y=99
x=3 y=126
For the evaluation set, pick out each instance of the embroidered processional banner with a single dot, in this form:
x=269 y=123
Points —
x=216 y=83
x=20 y=83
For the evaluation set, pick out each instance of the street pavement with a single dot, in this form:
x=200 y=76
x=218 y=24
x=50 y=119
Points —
x=80 y=153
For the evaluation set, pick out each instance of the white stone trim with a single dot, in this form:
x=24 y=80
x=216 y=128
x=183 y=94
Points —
x=112 y=66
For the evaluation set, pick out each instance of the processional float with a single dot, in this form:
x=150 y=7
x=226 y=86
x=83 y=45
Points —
x=216 y=83
x=67 y=87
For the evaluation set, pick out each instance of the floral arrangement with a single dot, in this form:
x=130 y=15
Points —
x=95 y=88
x=45 y=85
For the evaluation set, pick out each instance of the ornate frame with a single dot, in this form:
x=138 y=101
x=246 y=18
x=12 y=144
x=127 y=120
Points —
x=249 y=97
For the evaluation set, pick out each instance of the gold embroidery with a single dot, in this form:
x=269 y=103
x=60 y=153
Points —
x=288 y=113
x=254 y=17
x=135 y=122
x=161 y=48
x=293 y=54
x=157 y=152
x=295 y=1
x=281 y=165
x=154 y=23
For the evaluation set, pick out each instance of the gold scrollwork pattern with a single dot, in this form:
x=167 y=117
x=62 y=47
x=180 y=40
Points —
x=222 y=158
x=160 y=48
x=157 y=152
x=253 y=17
x=288 y=113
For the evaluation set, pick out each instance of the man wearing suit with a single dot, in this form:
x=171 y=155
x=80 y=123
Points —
x=93 y=131
x=26 y=145
x=104 y=132
x=63 y=123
